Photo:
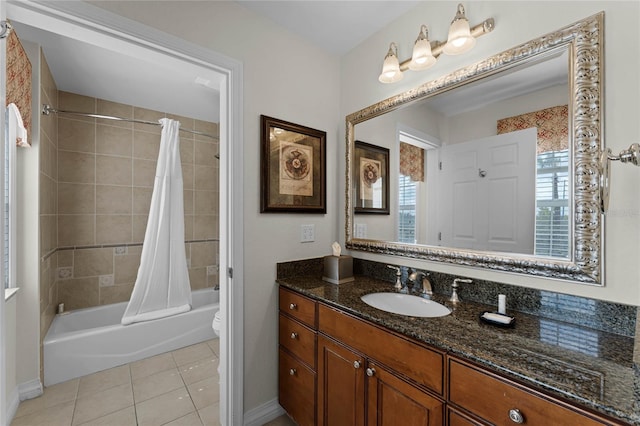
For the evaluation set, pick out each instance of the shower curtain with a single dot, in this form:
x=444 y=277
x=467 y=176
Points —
x=162 y=286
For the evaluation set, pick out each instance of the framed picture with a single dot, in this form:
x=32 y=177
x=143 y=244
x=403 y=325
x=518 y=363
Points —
x=293 y=168
x=371 y=180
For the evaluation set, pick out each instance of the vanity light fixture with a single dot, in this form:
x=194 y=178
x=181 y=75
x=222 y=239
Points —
x=425 y=53
x=391 y=67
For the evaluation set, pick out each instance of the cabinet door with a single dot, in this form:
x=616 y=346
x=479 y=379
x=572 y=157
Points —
x=391 y=401
x=340 y=385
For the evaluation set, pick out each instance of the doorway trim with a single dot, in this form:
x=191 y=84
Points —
x=105 y=27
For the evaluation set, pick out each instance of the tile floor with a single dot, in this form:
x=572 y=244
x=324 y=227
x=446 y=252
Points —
x=178 y=388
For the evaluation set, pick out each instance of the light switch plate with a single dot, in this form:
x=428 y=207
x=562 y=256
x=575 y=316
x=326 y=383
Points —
x=307 y=233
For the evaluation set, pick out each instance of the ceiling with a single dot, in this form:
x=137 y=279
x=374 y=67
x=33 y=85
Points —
x=86 y=69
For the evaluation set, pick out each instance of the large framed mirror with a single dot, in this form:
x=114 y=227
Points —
x=495 y=165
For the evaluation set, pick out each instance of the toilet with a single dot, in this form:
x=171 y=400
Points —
x=216 y=323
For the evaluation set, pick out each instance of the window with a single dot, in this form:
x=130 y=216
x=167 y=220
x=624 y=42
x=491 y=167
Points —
x=552 y=204
x=407 y=210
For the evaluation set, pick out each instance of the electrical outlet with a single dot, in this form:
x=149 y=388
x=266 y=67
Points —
x=361 y=230
x=307 y=233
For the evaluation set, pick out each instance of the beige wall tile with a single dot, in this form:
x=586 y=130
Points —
x=147 y=115
x=186 y=151
x=204 y=153
x=72 y=102
x=187 y=176
x=65 y=258
x=213 y=280
x=139 y=227
x=75 y=135
x=188 y=227
x=141 y=200
x=115 y=294
x=113 y=229
x=206 y=127
x=113 y=170
x=93 y=262
x=126 y=268
x=144 y=173
x=205 y=227
x=198 y=278
x=76 y=167
x=206 y=202
x=76 y=230
x=185 y=123
x=114 y=140
x=203 y=253
x=117 y=110
x=146 y=145
x=188 y=201
x=113 y=199
x=206 y=178
x=76 y=198
x=78 y=293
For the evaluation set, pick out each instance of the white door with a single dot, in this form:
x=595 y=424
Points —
x=487 y=197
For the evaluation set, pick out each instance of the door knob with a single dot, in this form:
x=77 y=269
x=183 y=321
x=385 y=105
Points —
x=371 y=371
x=356 y=364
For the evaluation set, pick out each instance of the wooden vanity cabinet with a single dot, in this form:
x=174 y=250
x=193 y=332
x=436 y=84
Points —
x=356 y=387
x=297 y=356
x=496 y=400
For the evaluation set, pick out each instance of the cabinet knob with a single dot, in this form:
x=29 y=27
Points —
x=371 y=371
x=294 y=335
x=516 y=416
x=292 y=372
x=293 y=306
x=356 y=364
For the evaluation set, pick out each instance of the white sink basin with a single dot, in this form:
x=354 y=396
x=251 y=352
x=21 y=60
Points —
x=406 y=304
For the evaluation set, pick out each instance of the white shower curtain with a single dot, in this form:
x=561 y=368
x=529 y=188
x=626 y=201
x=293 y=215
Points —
x=162 y=287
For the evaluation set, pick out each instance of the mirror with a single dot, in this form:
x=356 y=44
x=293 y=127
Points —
x=495 y=165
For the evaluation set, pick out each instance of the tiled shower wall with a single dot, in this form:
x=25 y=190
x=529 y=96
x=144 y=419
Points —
x=105 y=177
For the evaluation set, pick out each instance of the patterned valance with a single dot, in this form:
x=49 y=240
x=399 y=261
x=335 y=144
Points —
x=412 y=162
x=552 y=124
x=19 y=79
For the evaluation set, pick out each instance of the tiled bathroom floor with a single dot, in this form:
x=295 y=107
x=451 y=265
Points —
x=178 y=388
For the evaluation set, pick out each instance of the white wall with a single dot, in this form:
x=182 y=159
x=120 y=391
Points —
x=286 y=78
x=517 y=22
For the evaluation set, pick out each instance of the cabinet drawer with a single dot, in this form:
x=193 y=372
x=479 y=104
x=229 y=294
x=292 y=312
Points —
x=422 y=365
x=298 y=306
x=298 y=339
x=296 y=389
x=492 y=399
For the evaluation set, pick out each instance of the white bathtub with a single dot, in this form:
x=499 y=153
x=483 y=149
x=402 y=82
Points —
x=89 y=340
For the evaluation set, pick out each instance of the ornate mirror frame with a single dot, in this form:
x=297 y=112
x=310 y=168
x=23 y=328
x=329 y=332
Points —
x=584 y=39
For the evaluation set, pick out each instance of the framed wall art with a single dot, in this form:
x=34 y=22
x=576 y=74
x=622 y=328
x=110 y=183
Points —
x=371 y=180
x=293 y=167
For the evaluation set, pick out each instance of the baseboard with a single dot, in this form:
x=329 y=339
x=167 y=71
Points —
x=30 y=389
x=12 y=405
x=263 y=413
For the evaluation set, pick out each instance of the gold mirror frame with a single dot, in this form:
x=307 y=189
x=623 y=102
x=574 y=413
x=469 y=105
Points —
x=584 y=39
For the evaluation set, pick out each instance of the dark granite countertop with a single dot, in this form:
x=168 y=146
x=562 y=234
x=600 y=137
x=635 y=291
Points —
x=592 y=368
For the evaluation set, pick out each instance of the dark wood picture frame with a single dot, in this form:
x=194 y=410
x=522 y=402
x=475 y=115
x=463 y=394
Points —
x=293 y=168
x=371 y=179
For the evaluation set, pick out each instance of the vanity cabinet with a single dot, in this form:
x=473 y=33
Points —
x=297 y=356
x=496 y=400
x=367 y=375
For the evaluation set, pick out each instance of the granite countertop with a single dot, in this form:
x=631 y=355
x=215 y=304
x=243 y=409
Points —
x=586 y=366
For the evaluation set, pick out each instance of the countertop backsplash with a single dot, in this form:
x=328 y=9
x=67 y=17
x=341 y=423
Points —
x=600 y=315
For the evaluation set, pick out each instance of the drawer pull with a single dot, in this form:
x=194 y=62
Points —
x=294 y=335
x=293 y=306
x=515 y=416
x=371 y=371
x=356 y=364
x=292 y=372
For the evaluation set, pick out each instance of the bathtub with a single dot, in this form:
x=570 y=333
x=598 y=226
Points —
x=89 y=340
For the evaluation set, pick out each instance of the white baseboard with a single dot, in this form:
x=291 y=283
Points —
x=12 y=405
x=30 y=389
x=263 y=413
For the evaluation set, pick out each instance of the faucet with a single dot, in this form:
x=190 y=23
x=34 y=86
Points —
x=398 y=285
x=454 y=294
x=426 y=283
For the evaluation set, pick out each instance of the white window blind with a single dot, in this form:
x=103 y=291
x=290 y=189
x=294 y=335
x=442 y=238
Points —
x=552 y=204
x=407 y=210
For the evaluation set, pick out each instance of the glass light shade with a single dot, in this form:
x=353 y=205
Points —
x=391 y=67
x=422 y=57
x=460 y=39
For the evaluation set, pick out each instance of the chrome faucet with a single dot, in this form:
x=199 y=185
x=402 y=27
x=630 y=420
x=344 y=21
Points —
x=454 y=294
x=398 y=284
x=426 y=283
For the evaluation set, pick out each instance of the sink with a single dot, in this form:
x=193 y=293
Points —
x=406 y=304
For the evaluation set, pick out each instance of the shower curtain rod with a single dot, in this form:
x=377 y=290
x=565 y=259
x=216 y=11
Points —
x=46 y=110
